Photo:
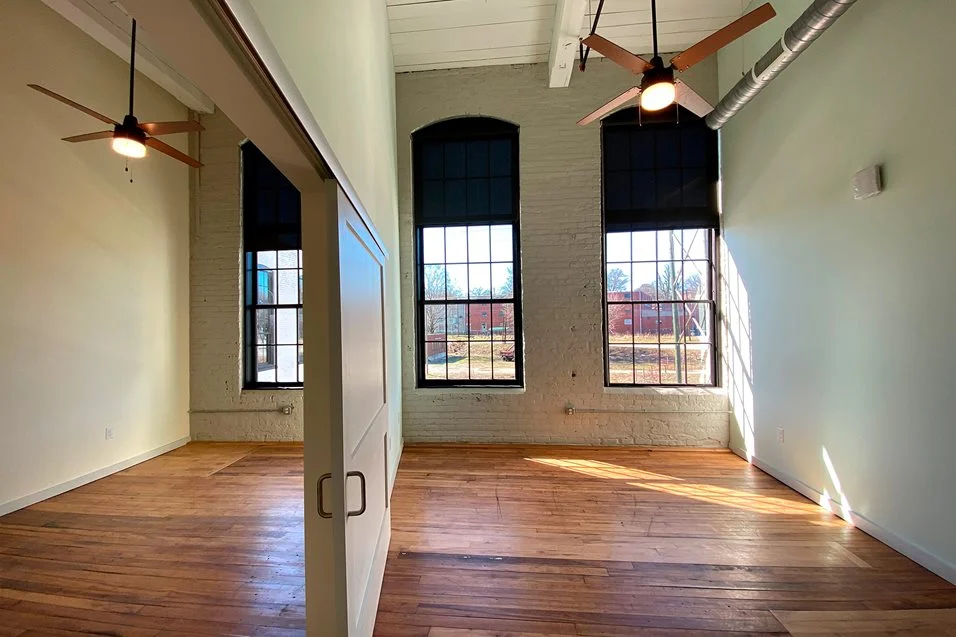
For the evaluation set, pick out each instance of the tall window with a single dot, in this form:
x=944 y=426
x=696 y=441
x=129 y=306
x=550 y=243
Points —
x=272 y=242
x=468 y=266
x=660 y=219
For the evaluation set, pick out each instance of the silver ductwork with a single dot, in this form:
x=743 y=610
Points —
x=818 y=17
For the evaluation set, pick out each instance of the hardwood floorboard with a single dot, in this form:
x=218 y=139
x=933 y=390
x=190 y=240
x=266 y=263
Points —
x=505 y=541
x=204 y=540
x=487 y=542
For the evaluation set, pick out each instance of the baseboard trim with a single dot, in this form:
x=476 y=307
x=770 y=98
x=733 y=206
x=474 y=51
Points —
x=916 y=553
x=69 y=485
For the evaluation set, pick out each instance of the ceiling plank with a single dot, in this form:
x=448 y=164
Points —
x=568 y=15
x=106 y=24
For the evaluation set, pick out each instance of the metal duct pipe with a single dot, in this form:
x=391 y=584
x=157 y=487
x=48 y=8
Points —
x=818 y=17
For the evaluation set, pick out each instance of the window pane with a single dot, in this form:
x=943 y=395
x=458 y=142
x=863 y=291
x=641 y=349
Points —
x=432 y=159
x=266 y=260
x=287 y=323
x=454 y=160
x=621 y=363
x=645 y=282
x=646 y=323
x=479 y=280
x=696 y=323
x=644 y=246
x=696 y=280
x=288 y=258
x=481 y=360
x=647 y=364
x=669 y=188
x=502 y=243
x=502 y=280
x=620 y=323
x=433 y=198
x=456 y=245
x=479 y=321
x=669 y=280
x=265 y=327
x=668 y=146
x=433 y=245
x=618 y=281
x=434 y=276
x=617 y=190
x=288 y=287
x=672 y=364
x=301 y=364
x=478 y=158
x=435 y=355
x=456 y=323
x=265 y=364
x=503 y=360
x=642 y=150
x=479 y=244
x=694 y=148
x=456 y=281
x=696 y=188
x=478 y=197
x=266 y=287
x=643 y=189
x=699 y=365
x=456 y=197
x=301 y=328
x=503 y=321
x=618 y=247
x=501 y=196
x=616 y=149
x=500 y=150
x=287 y=368
x=434 y=316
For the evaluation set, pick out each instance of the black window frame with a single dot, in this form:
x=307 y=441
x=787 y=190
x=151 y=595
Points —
x=260 y=178
x=706 y=218
x=464 y=129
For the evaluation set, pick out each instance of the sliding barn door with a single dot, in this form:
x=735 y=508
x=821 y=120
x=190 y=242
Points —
x=347 y=528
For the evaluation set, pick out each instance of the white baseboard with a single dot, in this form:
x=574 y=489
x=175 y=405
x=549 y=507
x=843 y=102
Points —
x=393 y=466
x=69 y=485
x=918 y=554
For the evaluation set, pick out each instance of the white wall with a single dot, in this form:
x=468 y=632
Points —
x=93 y=269
x=561 y=239
x=851 y=303
x=339 y=55
x=215 y=317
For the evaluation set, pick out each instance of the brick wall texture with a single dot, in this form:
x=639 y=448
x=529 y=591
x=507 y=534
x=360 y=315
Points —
x=561 y=242
x=215 y=305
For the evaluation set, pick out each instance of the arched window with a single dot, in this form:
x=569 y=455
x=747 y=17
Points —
x=660 y=175
x=272 y=246
x=467 y=253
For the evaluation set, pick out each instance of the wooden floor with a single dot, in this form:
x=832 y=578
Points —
x=515 y=542
x=205 y=540
x=487 y=542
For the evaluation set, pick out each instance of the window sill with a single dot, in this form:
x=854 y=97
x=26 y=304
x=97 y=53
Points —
x=664 y=390
x=482 y=390
x=267 y=389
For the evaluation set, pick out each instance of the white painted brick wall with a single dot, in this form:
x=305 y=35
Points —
x=216 y=304
x=561 y=260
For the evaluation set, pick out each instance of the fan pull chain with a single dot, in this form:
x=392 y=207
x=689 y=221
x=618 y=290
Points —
x=129 y=171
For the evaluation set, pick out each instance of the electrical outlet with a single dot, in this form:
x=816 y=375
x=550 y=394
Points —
x=109 y=433
x=780 y=435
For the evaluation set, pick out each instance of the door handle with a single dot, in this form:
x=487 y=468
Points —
x=361 y=477
x=321 y=498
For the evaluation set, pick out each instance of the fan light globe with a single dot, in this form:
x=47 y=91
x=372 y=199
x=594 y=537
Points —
x=658 y=95
x=129 y=147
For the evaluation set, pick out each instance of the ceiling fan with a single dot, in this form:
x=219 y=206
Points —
x=131 y=138
x=659 y=89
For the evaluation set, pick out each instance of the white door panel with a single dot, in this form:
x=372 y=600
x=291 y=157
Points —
x=346 y=418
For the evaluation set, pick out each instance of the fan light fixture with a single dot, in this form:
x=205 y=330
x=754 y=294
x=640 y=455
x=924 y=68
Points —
x=129 y=142
x=658 y=96
x=657 y=88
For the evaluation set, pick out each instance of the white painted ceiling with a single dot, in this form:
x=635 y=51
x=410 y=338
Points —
x=440 y=34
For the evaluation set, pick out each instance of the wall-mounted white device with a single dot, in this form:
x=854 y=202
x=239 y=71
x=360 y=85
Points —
x=868 y=183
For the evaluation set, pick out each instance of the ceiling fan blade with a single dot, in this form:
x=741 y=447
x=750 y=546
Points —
x=713 y=43
x=163 y=147
x=168 y=128
x=618 y=55
x=69 y=102
x=691 y=100
x=618 y=101
x=88 y=137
